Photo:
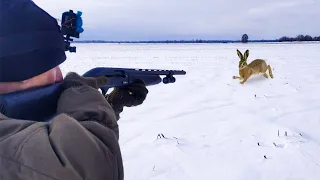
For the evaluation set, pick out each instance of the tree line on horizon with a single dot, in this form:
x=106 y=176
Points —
x=244 y=39
x=299 y=38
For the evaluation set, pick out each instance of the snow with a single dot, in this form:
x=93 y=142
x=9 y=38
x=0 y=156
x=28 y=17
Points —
x=211 y=123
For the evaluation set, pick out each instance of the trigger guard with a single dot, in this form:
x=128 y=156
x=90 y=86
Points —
x=104 y=91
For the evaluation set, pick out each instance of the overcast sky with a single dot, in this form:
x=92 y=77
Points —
x=191 y=19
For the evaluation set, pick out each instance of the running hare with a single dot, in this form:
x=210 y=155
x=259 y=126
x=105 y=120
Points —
x=254 y=68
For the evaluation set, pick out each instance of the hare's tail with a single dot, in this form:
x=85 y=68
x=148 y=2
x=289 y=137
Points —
x=270 y=71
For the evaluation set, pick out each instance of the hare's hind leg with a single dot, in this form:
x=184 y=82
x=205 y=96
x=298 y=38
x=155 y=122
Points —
x=270 y=71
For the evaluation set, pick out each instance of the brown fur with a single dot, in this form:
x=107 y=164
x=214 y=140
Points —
x=258 y=66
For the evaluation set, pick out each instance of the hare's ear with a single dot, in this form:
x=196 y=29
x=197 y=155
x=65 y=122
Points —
x=240 y=55
x=246 y=55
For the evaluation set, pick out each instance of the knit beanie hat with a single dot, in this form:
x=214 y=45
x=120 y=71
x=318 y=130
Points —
x=31 y=42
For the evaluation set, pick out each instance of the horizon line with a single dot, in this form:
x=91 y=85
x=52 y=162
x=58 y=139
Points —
x=188 y=41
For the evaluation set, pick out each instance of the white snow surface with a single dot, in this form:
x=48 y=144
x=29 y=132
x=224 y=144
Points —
x=211 y=123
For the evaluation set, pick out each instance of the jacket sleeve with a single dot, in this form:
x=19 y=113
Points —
x=89 y=107
x=81 y=142
x=87 y=104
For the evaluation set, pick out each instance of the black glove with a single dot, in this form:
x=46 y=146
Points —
x=131 y=95
x=72 y=79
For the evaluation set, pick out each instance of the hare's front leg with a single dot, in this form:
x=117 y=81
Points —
x=236 y=77
x=265 y=75
x=244 y=80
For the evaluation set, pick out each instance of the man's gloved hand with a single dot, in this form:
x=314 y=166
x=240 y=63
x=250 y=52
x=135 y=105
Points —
x=72 y=79
x=131 y=95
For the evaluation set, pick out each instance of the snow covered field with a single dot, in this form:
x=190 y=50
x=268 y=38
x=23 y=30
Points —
x=211 y=123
